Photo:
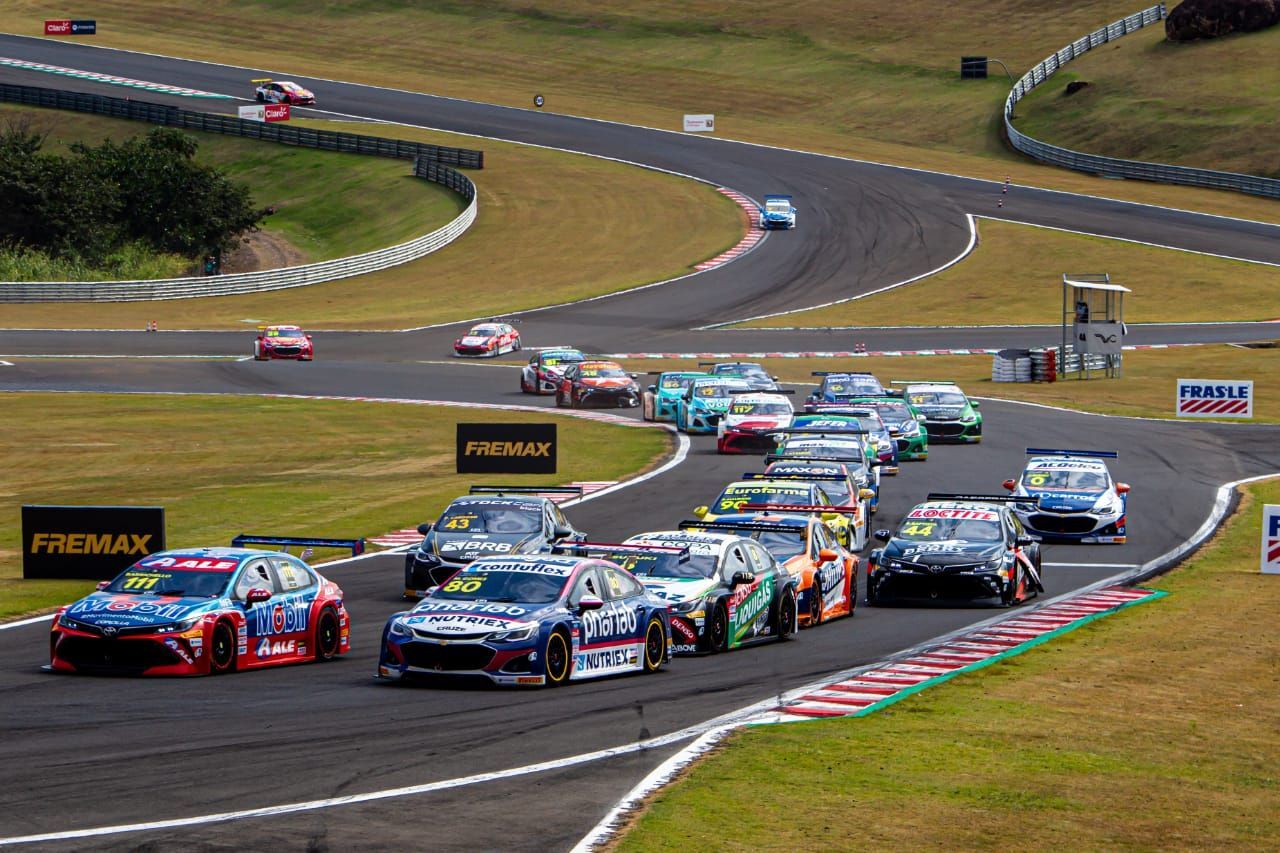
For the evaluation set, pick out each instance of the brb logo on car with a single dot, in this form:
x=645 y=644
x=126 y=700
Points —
x=1215 y=398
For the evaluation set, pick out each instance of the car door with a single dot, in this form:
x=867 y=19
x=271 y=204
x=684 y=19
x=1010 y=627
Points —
x=599 y=648
x=831 y=574
x=627 y=595
x=298 y=592
x=255 y=574
x=746 y=601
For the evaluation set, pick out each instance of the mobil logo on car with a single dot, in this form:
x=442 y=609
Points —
x=1215 y=398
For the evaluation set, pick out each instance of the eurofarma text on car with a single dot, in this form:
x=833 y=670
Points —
x=1073 y=496
x=530 y=620
x=202 y=611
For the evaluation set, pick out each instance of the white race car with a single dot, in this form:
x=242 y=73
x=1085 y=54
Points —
x=1078 y=500
x=270 y=91
x=744 y=428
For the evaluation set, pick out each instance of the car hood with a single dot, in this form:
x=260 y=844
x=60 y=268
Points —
x=471 y=619
x=676 y=590
x=949 y=553
x=1075 y=501
x=943 y=412
x=605 y=381
x=136 y=611
x=712 y=404
x=777 y=214
x=465 y=547
x=756 y=422
x=474 y=340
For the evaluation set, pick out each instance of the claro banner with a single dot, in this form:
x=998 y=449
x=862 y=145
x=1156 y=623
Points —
x=506 y=448
x=88 y=542
x=68 y=27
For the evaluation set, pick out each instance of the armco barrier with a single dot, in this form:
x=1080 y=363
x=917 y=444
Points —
x=1108 y=166
x=429 y=163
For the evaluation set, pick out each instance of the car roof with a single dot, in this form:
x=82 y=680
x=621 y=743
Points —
x=1077 y=463
x=239 y=554
x=707 y=536
x=515 y=501
x=761 y=397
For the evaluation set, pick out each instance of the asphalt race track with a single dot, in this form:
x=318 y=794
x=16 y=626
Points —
x=84 y=752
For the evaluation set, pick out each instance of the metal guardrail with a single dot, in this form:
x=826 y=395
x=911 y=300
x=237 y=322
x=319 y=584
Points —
x=1108 y=166
x=429 y=163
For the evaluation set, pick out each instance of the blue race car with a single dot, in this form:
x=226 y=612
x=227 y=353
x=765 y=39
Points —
x=836 y=387
x=778 y=212
x=1071 y=497
x=530 y=620
x=662 y=398
x=706 y=400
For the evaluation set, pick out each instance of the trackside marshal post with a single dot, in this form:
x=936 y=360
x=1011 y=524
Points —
x=1271 y=539
x=506 y=449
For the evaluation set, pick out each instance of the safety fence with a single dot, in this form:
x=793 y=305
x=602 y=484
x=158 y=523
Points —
x=1108 y=166
x=430 y=162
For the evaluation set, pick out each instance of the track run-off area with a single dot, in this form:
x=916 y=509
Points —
x=315 y=756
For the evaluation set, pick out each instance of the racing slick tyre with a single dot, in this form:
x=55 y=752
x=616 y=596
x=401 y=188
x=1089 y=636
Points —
x=873 y=600
x=1009 y=596
x=655 y=646
x=258 y=354
x=260 y=97
x=717 y=637
x=815 y=605
x=222 y=649
x=328 y=635
x=556 y=658
x=787 y=613
x=524 y=386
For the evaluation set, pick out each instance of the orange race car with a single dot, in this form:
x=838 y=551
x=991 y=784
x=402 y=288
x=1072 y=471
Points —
x=826 y=573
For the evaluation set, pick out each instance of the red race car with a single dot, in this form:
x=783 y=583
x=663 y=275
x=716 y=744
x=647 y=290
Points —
x=203 y=611
x=491 y=339
x=597 y=383
x=282 y=342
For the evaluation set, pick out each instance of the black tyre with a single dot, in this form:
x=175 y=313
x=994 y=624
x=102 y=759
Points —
x=261 y=97
x=655 y=646
x=222 y=649
x=556 y=658
x=786 y=616
x=873 y=600
x=815 y=603
x=717 y=636
x=328 y=635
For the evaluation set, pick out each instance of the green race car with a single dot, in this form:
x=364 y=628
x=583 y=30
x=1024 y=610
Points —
x=949 y=416
x=662 y=398
x=905 y=422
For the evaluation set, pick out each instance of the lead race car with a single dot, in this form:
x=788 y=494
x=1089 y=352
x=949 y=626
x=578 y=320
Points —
x=202 y=611
x=283 y=342
x=268 y=91
x=488 y=339
x=778 y=212
x=534 y=620
x=1073 y=496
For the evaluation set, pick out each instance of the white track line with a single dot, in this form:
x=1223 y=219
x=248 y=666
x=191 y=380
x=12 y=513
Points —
x=1168 y=420
x=1095 y=565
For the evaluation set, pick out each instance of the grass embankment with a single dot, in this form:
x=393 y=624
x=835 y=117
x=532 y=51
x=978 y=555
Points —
x=552 y=227
x=1210 y=103
x=256 y=465
x=327 y=205
x=1015 y=276
x=1154 y=728
x=1147 y=389
x=857 y=78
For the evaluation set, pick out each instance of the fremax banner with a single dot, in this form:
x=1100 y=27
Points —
x=88 y=542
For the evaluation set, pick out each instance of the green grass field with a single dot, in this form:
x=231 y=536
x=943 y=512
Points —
x=1153 y=729
x=360 y=469
x=1015 y=276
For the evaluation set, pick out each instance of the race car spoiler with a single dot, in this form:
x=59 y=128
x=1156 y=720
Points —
x=1048 y=451
x=753 y=526
x=758 y=476
x=922 y=382
x=819 y=431
x=986 y=499
x=853 y=410
x=621 y=548
x=261 y=80
x=842 y=510
x=764 y=391
x=356 y=546
x=525 y=490
x=841 y=373
x=813 y=460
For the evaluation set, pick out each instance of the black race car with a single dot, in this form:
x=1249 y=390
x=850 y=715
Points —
x=490 y=521
x=957 y=546
x=756 y=377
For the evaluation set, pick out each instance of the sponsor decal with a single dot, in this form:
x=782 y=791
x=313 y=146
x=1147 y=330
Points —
x=558 y=570
x=934 y=548
x=683 y=648
x=459 y=623
x=529 y=679
x=271 y=648
x=931 y=512
x=475 y=547
x=1214 y=398
x=284 y=617
x=1271 y=539
x=129 y=605
x=749 y=602
x=603 y=659
x=682 y=628
x=179 y=650
x=57 y=27
x=435 y=606
x=506 y=448
x=87 y=542
x=190 y=564
x=608 y=622
x=275 y=112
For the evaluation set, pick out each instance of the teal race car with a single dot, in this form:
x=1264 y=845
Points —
x=706 y=401
x=662 y=398
x=905 y=423
x=949 y=416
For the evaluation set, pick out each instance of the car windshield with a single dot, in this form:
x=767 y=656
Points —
x=717 y=390
x=847 y=452
x=747 y=371
x=284 y=333
x=831 y=423
x=961 y=525
x=778 y=205
x=783 y=546
x=479 y=583
x=889 y=410
x=733 y=498
x=701 y=562
x=561 y=358
x=656 y=564
x=606 y=372
x=482 y=332
x=168 y=576
x=470 y=518
x=760 y=409
x=938 y=398
x=1062 y=479
x=854 y=385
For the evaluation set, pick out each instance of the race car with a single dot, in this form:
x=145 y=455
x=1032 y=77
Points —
x=705 y=401
x=1078 y=500
x=841 y=485
x=957 y=546
x=867 y=419
x=848 y=448
x=491 y=520
x=271 y=91
x=202 y=611
x=756 y=377
x=755 y=489
x=904 y=423
x=744 y=428
x=723 y=591
x=597 y=383
x=282 y=342
x=662 y=398
x=778 y=212
x=949 y=416
x=840 y=387
x=546 y=368
x=488 y=339
x=826 y=574
x=530 y=620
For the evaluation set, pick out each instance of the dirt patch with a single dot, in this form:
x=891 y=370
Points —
x=265 y=250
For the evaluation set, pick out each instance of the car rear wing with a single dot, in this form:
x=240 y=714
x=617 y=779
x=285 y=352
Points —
x=818 y=431
x=525 y=490
x=850 y=409
x=621 y=548
x=758 y=476
x=260 y=80
x=356 y=546
x=922 y=382
x=819 y=508
x=986 y=499
x=1048 y=451
x=764 y=391
x=750 y=526
x=790 y=457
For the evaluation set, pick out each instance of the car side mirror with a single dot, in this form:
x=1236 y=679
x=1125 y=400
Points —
x=826 y=555
x=882 y=535
x=866 y=494
x=103 y=584
x=741 y=578
x=774 y=378
x=976 y=404
x=1010 y=485
x=1122 y=488
x=308 y=337
x=589 y=602
x=1023 y=541
x=653 y=389
x=701 y=512
x=424 y=529
x=257 y=595
x=921 y=418
x=561 y=532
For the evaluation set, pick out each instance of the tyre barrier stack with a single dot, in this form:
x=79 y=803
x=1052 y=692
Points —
x=1011 y=365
